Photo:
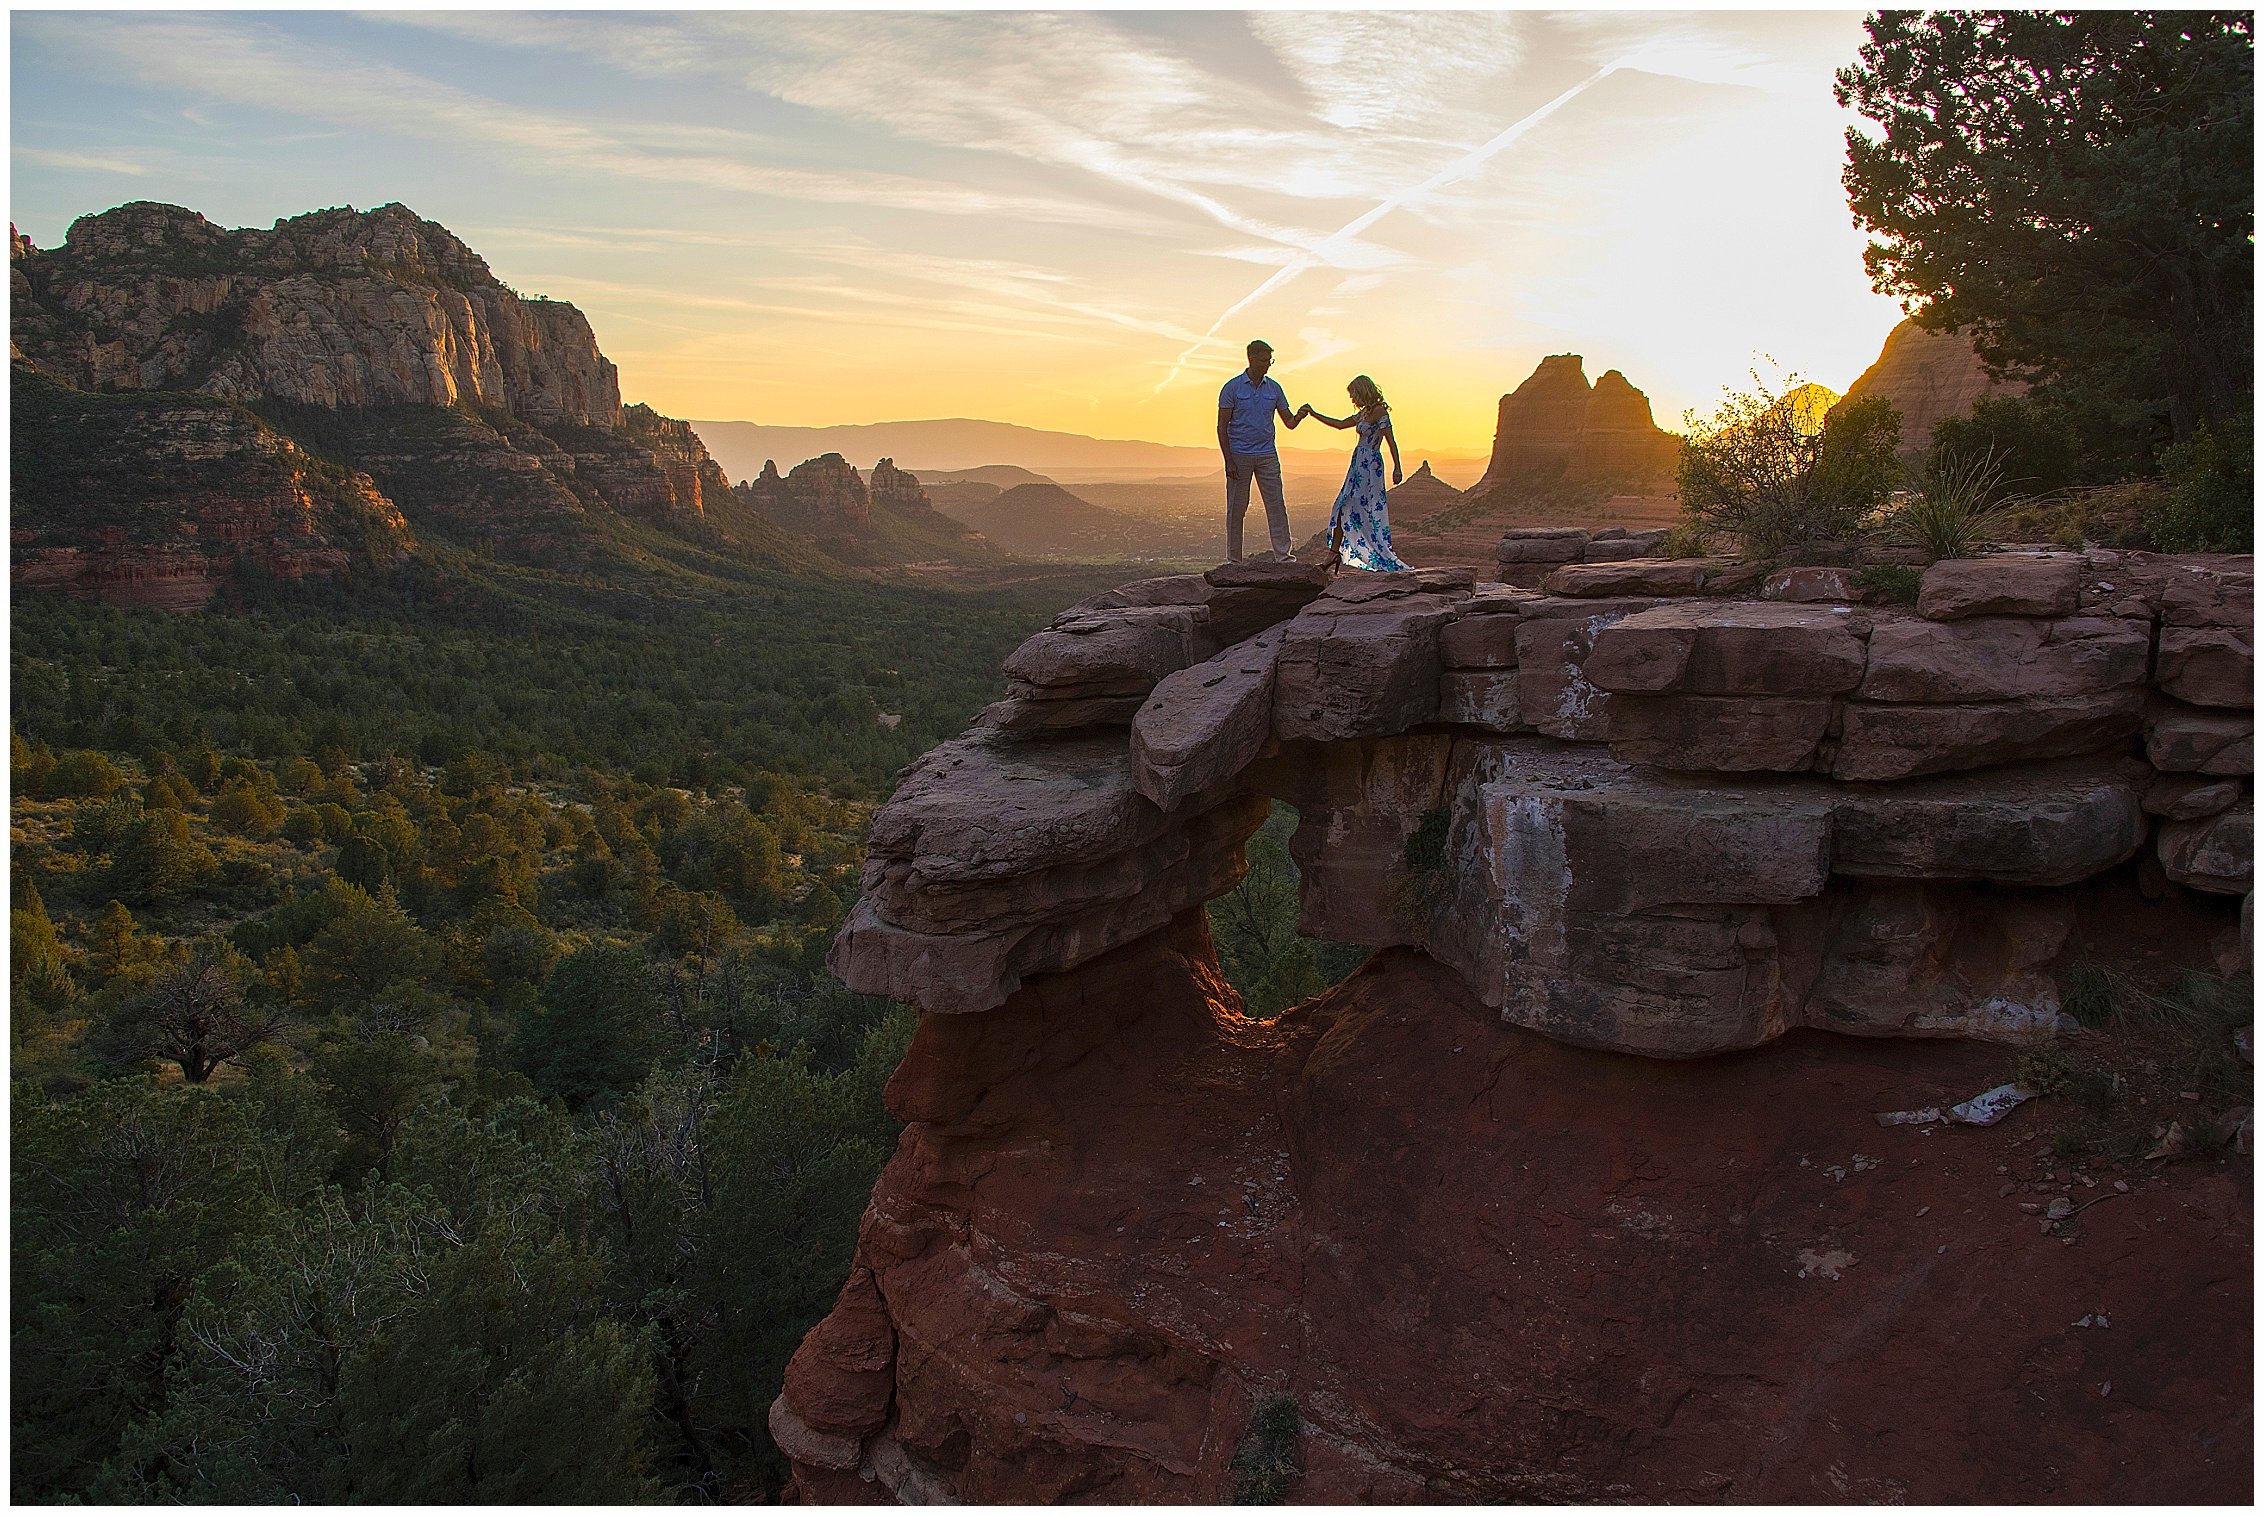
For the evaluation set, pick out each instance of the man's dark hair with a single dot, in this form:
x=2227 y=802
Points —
x=1258 y=347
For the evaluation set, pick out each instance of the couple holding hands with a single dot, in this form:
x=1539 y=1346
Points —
x=1359 y=532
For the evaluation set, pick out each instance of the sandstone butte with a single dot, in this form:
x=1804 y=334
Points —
x=1576 y=1190
x=1556 y=426
x=189 y=398
x=1928 y=377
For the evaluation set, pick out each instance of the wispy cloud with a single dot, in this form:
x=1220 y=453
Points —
x=1068 y=91
x=248 y=64
x=1461 y=168
x=90 y=162
x=1422 y=73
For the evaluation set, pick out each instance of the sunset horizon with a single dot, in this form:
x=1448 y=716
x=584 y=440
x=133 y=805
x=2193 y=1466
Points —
x=1070 y=222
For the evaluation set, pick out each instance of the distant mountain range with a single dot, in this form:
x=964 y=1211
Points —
x=1041 y=519
x=931 y=448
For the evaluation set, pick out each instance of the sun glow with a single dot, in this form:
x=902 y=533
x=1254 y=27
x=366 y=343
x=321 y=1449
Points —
x=1071 y=221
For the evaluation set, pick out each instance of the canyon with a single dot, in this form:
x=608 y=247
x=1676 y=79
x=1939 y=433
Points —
x=1682 y=878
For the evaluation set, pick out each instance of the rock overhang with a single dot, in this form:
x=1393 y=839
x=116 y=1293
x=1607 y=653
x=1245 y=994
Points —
x=1681 y=822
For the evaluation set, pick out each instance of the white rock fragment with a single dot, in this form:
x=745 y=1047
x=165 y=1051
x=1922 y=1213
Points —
x=1825 y=1265
x=1990 y=1106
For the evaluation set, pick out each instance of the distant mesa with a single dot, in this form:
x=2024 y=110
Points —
x=1041 y=519
x=317 y=398
x=1930 y=377
x=894 y=489
x=1557 y=427
x=1423 y=495
x=888 y=519
x=824 y=494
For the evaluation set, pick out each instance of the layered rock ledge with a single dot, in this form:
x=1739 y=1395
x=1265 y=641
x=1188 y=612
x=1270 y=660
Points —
x=1675 y=823
x=1640 y=808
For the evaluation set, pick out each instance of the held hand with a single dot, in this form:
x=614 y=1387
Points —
x=1395 y=475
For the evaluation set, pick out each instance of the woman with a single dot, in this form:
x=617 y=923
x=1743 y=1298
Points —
x=1359 y=531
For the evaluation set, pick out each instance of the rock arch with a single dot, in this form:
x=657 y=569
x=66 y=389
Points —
x=1691 y=807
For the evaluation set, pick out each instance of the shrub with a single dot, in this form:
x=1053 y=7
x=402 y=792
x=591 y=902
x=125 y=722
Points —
x=1423 y=883
x=1960 y=505
x=1786 y=469
x=2088 y=995
x=28 y=766
x=2045 y=1069
x=2035 y=443
x=1895 y=583
x=242 y=809
x=1265 y=1462
x=2210 y=504
x=84 y=775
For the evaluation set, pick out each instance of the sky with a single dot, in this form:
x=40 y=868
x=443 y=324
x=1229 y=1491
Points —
x=1071 y=220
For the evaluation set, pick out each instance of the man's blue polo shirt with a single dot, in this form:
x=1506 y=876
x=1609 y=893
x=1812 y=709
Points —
x=1250 y=429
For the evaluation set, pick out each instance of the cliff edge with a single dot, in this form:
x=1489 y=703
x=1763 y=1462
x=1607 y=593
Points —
x=1578 y=1190
x=368 y=361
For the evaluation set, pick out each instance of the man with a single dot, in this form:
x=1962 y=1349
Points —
x=1246 y=410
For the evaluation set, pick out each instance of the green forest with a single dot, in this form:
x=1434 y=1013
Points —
x=427 y=1086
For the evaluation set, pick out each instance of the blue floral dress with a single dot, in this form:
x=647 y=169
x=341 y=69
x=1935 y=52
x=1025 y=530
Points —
x=1359 y=510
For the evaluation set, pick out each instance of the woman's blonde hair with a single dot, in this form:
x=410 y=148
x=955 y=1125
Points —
x=1365 y=395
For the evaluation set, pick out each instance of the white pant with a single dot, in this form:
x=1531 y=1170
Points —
x=1241 y=468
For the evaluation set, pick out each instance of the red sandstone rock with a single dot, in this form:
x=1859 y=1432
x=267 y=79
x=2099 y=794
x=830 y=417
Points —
x=1204 y=724
x=334 y=308
x=1543 y=544
x=1554 y=639
x=2046 y=825
x=1028 y=711
x=1743 y=648
x=841 y=1378
x=1616 y=544
x=2183 y=740
x=1489 y=1267
x=1593 y=905
x=2216 y=854
x=1555 y=426
x=1817 y=585
x=1268 y=573
x=2189 y=797
x=806 y=1445
x=1482 y=698
x=1131 y=647
x=1641 y=576
x=1357 y=804
x=2002 y=658
x=1165 y=589
x=1486 y=641
x=890 y=486
x=1883 y=742
x=1719 y=733
x=177 y=496
x=1423 y=495
x=1359 y=670
x=1054 y=919
x=1929 y=377
x=2007 y=584
x=2207 y=590
x=2207 y=665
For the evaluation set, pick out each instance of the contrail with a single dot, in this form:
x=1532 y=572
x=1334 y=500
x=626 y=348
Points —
x=1459 y=168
